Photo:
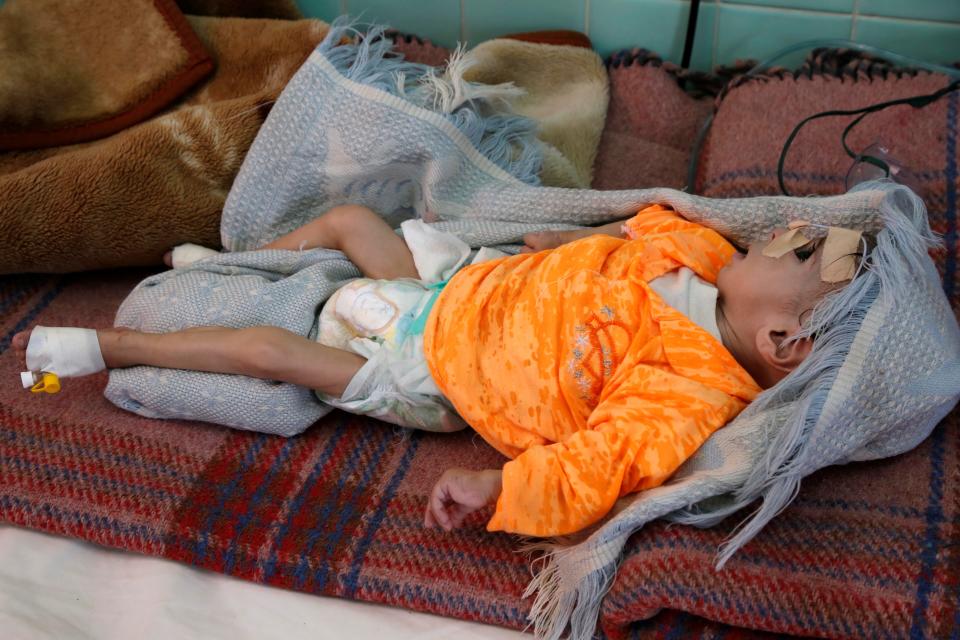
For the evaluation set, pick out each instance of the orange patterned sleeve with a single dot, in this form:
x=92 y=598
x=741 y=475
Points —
x=688 y=243
x=648 y=424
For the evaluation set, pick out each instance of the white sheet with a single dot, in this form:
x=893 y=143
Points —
x=53 y=587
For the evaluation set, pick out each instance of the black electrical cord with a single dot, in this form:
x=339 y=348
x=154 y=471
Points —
x=810 y=45
x=916 y=102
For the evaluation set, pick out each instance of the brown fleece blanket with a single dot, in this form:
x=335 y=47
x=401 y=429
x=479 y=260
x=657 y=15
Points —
x=63 y=82
x=91 y=68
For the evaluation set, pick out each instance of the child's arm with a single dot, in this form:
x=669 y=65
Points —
x=458 y=493
x=645 y=220
x=540 y=240
x=650 y=422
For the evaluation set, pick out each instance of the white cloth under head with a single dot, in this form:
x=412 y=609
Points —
x=66 y=351
x=691 y=295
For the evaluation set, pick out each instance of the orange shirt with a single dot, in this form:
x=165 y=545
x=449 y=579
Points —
x=568 y=362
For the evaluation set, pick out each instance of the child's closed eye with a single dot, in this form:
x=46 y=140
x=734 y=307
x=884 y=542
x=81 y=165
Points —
x=805 y=252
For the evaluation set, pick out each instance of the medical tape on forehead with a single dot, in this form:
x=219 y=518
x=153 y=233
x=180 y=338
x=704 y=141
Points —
x=840 y=249
x=785 y=243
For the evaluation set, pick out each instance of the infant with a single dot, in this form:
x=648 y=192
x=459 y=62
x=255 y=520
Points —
x=598 y=360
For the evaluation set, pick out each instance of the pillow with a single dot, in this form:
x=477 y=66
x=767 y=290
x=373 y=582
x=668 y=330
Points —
x=755 y=115
x=565 y=92
x=651 y=123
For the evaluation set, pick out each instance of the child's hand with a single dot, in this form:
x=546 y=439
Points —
x=540 y=240
x=458 y=493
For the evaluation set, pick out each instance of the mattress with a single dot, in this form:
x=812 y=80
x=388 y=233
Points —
x=52 y=587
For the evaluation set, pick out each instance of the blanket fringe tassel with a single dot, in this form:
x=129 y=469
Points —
x=481 y=112
x=567 y=594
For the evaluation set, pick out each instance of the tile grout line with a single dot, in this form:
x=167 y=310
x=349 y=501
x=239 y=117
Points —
x=586 y=18
x=463 y=23
x=853 y=19
x=951 y=23
x=778 y=9
x=716 y=35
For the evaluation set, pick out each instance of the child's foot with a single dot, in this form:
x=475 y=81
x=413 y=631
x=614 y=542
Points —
x=66 y=351
x=168 y=259
x=19 y=342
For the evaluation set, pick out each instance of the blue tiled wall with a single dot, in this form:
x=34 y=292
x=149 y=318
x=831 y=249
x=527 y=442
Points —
x=726 y=31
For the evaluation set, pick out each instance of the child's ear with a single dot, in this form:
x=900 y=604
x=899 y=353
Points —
x=777 y=352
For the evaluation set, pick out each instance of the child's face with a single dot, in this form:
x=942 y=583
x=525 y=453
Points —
x=753 y=285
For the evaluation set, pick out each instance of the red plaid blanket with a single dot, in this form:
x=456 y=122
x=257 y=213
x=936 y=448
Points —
x=867 y=550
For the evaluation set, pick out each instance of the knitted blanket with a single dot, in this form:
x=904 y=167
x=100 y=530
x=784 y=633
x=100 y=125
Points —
x=377 y=146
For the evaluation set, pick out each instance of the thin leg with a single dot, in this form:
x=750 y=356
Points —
x=362 y=235
x=270 y=353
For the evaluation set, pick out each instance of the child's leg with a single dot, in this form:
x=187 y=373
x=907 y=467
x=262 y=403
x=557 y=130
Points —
x=362 y=235
x=270 y=353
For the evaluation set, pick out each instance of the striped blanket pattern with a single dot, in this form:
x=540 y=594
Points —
x=867 y=550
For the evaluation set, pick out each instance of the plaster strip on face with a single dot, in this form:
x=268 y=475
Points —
x=784 y=243
x=838 y=262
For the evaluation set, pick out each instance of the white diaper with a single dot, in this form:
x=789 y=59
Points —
x=373 y=318
x=367 y=313
x=382 y=321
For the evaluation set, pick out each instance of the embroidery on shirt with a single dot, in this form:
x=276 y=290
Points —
x=594 y=355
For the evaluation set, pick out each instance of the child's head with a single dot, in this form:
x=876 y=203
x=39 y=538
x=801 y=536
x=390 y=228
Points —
x=879 y=364
x=763 y=303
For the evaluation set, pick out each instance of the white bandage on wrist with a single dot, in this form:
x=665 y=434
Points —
x=186 y=254
x=65 y=351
